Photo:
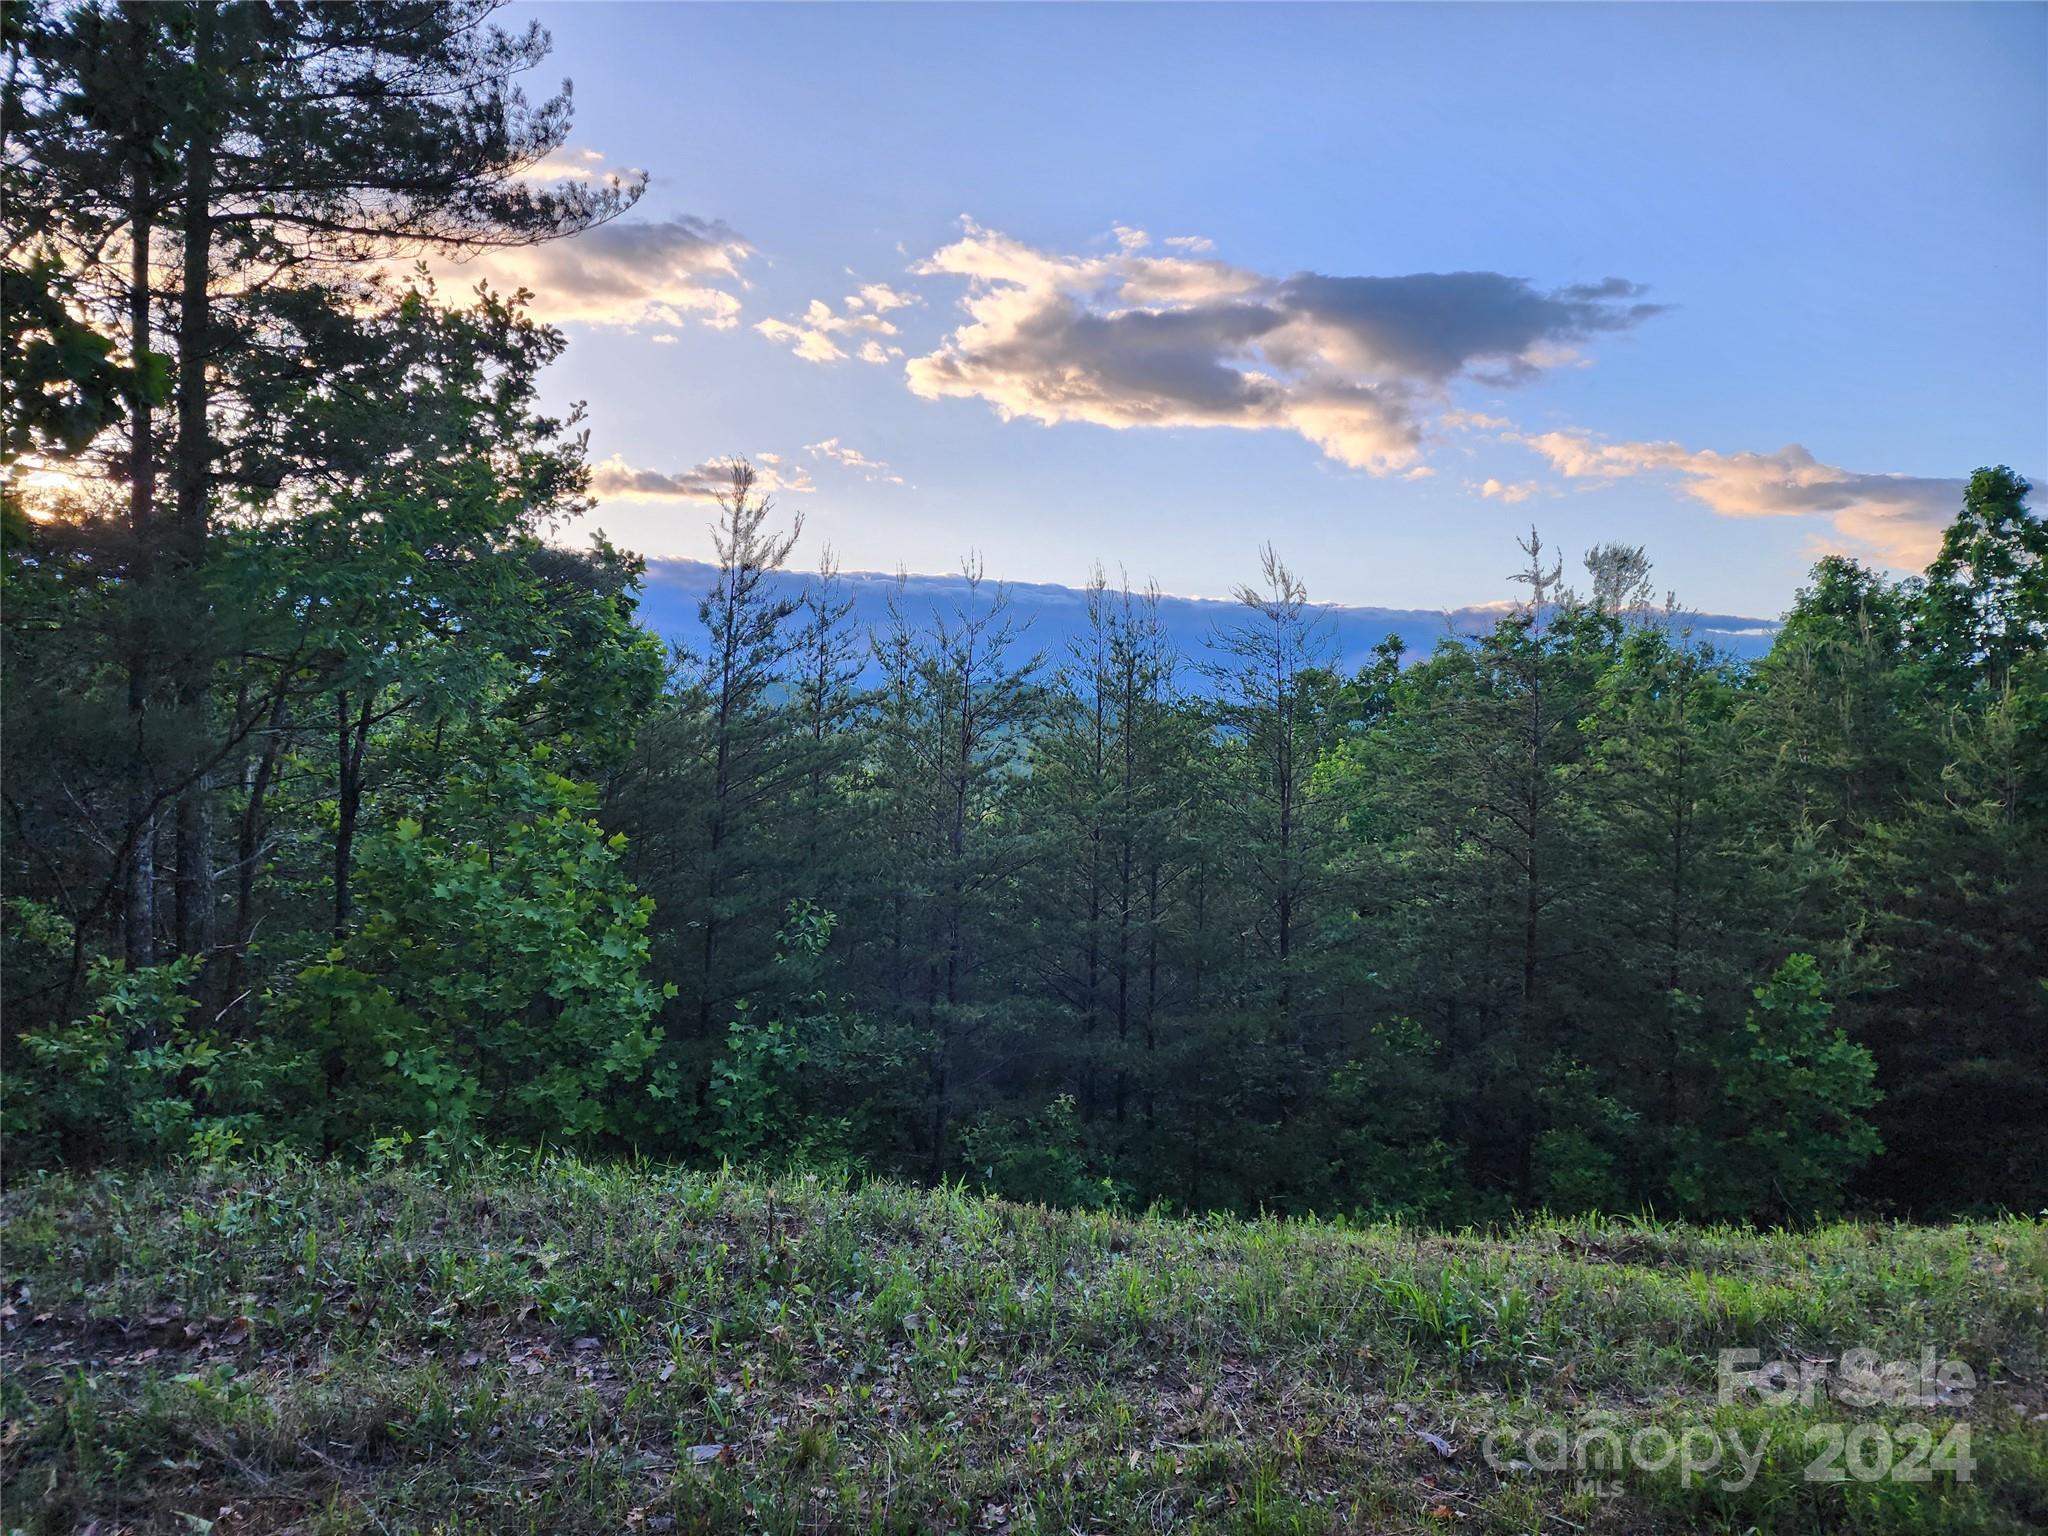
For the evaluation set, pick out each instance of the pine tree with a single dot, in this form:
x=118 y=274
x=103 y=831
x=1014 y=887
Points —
x=827 y=734
x=959 y=701
x=268 y=156
x=1985 y=606
x=1271 y=670
x=704 y=799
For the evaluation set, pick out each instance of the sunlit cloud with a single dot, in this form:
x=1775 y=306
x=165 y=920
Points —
x=852 y=458
x=613 y=479
x=1473 y=421
x=1895 y=518
x=811 y=343
x=626 y=273
x=581 y=165
x=822 y=334
x=1509 y=491
x=1356 y=365
x=880 y=298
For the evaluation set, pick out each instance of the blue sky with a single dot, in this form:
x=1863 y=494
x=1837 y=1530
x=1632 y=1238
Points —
x=1744 y=283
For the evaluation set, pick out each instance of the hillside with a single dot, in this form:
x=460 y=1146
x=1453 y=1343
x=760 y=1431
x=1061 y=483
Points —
x=571 y=1348
x=1057 y=615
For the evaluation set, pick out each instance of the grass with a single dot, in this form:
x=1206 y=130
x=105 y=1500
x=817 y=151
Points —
x=566 y=1348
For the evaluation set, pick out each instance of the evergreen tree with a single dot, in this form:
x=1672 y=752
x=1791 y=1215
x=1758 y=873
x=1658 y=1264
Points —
x=1985 y=605
x=959 y=701
x=704 y=797
x=268 y=156
x=1272 y=670
x=1784 y=1135
x=827 y=702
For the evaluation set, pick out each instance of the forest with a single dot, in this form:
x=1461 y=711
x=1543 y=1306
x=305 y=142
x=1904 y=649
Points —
x=349 y=808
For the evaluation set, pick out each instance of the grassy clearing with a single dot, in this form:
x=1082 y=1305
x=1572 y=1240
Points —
x=574 y=1348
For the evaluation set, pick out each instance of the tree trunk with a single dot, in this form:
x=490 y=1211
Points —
x=194 y=891
x=249 y=855
x=195 y=887
x=351 y=741
x=138 y=909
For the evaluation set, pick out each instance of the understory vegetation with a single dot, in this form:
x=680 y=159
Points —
x=559 y=1346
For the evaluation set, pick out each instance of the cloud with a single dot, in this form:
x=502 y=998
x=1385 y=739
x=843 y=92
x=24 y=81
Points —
x=625 y=273
x=1510 y=492
x=1353 y=364
x=852 y=458
x=881 y=298
x=811 y=343
x=1436 y=325
x=815 y=336
x=1895 y=518
x=614 y=479
x=584 y=165
x=1474 y=421
x=1194 y=245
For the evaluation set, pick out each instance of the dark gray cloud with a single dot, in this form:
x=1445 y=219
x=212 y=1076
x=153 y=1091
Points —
x=1436 y=325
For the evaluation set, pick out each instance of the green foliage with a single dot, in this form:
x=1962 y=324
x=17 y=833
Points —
x=133 y=1078
x=754 y=1098
x=309 y=723
x=63 y=387
x=1985 y=605
x=759 y=1066
x=1785 y=1136
x=493 y=984
x=1388 y=1156
x=1440 y=941
x=1582 y=1155
x=1040 y=1158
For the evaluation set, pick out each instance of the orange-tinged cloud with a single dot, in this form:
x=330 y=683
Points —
x=1895 y=518
x=626 y=273
x=614 y=479
x=817 y=334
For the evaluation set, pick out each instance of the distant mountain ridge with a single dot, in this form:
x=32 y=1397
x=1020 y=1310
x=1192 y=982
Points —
x=1055 y=615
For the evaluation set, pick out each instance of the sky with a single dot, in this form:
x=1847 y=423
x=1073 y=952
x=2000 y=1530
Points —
x=1152 y=285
